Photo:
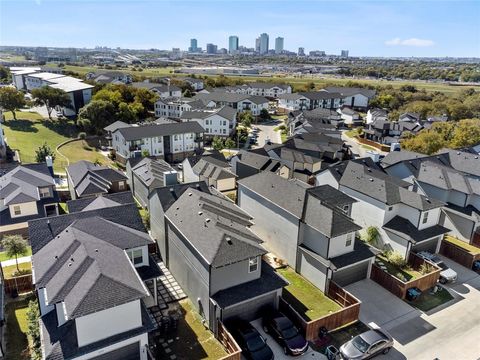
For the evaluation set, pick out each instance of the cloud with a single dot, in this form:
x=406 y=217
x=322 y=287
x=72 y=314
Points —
x=410 y=42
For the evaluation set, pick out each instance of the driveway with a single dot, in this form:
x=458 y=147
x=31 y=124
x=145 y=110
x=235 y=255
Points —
x=357 y=149
x=266 y=133
x=278 y=351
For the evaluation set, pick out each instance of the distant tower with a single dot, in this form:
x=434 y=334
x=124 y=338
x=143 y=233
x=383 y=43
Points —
x=211 y=49
x=279 y=45
x=301 y=51
x=344 y=53
x=193 y=46
x=263 y=43
x=233 y=44
x=257 y=45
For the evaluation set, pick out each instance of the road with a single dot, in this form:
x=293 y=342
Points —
x=266 y=133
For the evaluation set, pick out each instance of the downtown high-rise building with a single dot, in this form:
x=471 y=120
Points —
x=279 y=45
x=233 y=44
x=344 y=53
x=193 y=46
x=257 y=45
x=301 y=51
x=263 y=43
x=211 y=49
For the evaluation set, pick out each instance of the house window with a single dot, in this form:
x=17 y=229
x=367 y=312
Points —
x=44 y=192
x=345 y=208
x=136 y=256
x=425 y=217
x=390 y=208
x=121 y=185
x=348 y=242
x=17 y=210
x=252 y=264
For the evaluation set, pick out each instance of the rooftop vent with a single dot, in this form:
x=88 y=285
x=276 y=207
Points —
x=229 y=240
x=56 y=257
x=96 y=250
x=200 y=213
x=370 y=179
x=458 y=152
x=190 y=194
x=207 y=220
x=171 y=189
x=69 y=264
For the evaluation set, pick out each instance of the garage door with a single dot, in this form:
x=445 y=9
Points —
x=251 y=310
x=129 y=352
x=351 y=274
x=429 y=245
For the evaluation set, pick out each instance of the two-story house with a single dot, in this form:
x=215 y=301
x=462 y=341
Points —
x=215 y=257
x=356 y=98
x=268 y=90
x=87 y=179
x=26 y=192
x=383 y=131
x=89 y=269
x=293 y=101
x=406 y=220
x=162 y=90
x=174 y=107
x=323 y=99
x=376 y=114
x=172 y=141
x=308 y=227
x=253 y=103
x=196 y=84
x=219 y=122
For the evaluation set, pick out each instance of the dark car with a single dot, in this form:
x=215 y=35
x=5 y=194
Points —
x=285 y=333
x=253 y=345
x=367 y=345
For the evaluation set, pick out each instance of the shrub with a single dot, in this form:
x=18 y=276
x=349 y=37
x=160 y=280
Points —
x=82 y=135
x=425 y=269
x=395 y=258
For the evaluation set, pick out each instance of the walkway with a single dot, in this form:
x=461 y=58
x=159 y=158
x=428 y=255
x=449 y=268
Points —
x=23 y=259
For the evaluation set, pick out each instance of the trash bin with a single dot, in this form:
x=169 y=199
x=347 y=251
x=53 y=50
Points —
x=332 y=353
x=476 y=265
x=413 y=294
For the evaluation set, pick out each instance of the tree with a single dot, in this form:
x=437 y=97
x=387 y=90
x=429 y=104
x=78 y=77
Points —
x=15 y=245
x=33 y=330
x=466 y=133
x=426 y=142
x=51 y=98
x=42 y=152
x=145 y=153
x=264 y=115
x=245 y=118
x=218 y=143
x=229 y=143
x=11 y=99
x=97 y=114
x=4 y=75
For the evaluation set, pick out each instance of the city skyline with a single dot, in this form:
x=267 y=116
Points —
x=364 y=28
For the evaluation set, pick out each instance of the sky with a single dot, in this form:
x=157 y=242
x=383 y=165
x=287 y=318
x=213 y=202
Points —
x=404 y=28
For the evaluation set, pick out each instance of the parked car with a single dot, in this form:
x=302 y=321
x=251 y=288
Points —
x=447 y=274
x=253 y=345
x=367 y=345
x=285 y=333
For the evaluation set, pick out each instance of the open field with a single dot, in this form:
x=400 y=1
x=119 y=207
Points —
x=80 y=150
x=149 y=72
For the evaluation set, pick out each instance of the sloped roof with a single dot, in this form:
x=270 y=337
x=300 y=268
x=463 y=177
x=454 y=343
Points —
x=205 y=168
x=101 y=201
x=405 y=229
x=350 y=91
x=152 y=130
x=149 y=170
x=169 y=194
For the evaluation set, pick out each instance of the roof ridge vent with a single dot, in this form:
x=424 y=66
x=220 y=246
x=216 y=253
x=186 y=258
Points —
x=200 y=213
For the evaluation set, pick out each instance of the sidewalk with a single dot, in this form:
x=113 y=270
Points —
x=11 y=262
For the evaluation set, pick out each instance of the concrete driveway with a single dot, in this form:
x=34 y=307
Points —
x=278 y=351
x=266 y=133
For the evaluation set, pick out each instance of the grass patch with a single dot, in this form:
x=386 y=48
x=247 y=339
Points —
x=367 y=147
x=62 y=208
x=80 y=150
x=404 y=274
x=352 y=133
x=3 y=254
x=16 y=331
x=283 y=132
x=470 y=248
x=428 y=301
x=9 y=271
x=307 y=299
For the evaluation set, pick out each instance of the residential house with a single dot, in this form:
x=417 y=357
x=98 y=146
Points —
x=101 y=201
x=26 y=192
x=308 y=227
x=355 y=98
x=247 y=163
x=215 y=257
x=293 y=101
x=19 y=75
x=435 y=177
x=110 y=77
x=90 y=270
x=212 y=169
x=315 y=121
x=376 y=114
x=87 y=179
x=146 y=174
x=171 y=141
x=162 y=90
x=196 y=84
x=253 y=103
x=409 y=117
x=350 y=117
x=323 y=99
x=174 y=107
x=268 y=90
x=383 y=131
x=406 y=220
x=111 y=128
x=219 y=122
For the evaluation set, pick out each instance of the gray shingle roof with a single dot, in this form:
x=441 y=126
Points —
x=153 y=130
x=215 y=227
x=169 y=194
x=395 y=157
x=150 y=170
x=348 y=91
x=205 y=168
x=321 y=95
x=115 y=199
x=407 y=230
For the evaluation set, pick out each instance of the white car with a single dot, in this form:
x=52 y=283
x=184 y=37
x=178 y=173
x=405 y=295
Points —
x=446 y=275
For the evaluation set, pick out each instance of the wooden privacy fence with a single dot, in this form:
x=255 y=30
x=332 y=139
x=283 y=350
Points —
x=458 y=254
x=20 y=283
x=476 y=238
x=344 y=316
x=229 y=343
x=399 y=287
x=374 y=144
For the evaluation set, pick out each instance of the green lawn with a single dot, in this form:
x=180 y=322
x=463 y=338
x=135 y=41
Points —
x=3 y=255
x=367 y=147
x=470 y=248
x=352 y=133
x=404 y=274
x=62 y=208
x=149 y=72
x=307 y=299
x=8 y=271
x=428 y=301
x=30 y=131
x=80 y=150
x=16 y=329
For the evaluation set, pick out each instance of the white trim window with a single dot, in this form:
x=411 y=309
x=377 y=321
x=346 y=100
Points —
x=425 y=217
x=121 y=185
x=136 y=256
x=44 y=192
x=253 y=264
x=349 y=240
x=17 y=210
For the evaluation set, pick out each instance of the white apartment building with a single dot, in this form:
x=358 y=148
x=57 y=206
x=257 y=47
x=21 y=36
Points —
x=216 y=122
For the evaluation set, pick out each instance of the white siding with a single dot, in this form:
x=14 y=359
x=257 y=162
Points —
x=338 y=245
x=26 y=209
x=142 y=339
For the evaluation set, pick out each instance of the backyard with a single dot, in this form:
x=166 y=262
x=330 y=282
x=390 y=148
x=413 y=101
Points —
x=470 y=248
x=4 y=256
x=9 y=271
x=305 y=297
x=404 y=273
x=80 y=150
x=16 y=328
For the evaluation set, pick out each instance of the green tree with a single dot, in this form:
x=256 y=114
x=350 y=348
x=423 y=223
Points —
x=426 y=142
x=15 y=245
x=42 y=152
x=245 y=118
x=97 y=114
x=11 y=99
x=229 y=143
x=217 y=143
x=5 y=75
x=51 y=98
x=264 y=115
x=145 y=153
x=466 y=133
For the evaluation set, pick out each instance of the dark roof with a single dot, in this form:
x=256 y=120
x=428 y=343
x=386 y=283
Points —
x=7 y=219
x=152 y=130
x=360 y=252
x=60 y=342
x=150 y=271
x=321 y=95
x=207 y=167
x=169 y=194
x=269 y=281
x=116 y=125
x=395 y=157
x=41 y=231
x=150 y=170
x=120 y=198
x=155 y=86
x=331 y=196
x=349 y=91
x=405 y=229
x=217 y=228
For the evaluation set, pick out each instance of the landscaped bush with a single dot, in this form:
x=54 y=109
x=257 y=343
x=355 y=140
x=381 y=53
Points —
x=396 y=259
x=425 y=269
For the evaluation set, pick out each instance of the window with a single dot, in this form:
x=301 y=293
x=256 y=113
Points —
x=425 y=217
x=121 y=185
x=44 y=192
x=345 y=208
x=136 y=256
x=390 y=208
x=348 y=242
x=17 y=210
x=252 y=264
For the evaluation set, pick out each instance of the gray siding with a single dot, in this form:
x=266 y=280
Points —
x=460 y=226
x=140 y=191
x=312 y=270
x=252 y=309
x=231 y=275
x=278 y=228
x=157 y=224
x=314 y=240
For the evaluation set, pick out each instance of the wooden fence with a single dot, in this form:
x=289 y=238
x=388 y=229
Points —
x=458 y=254
x=476 y=238
x=374 y=144
x=21 y=284
x=344 y=316
x=399 y=287
x=229 y=343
